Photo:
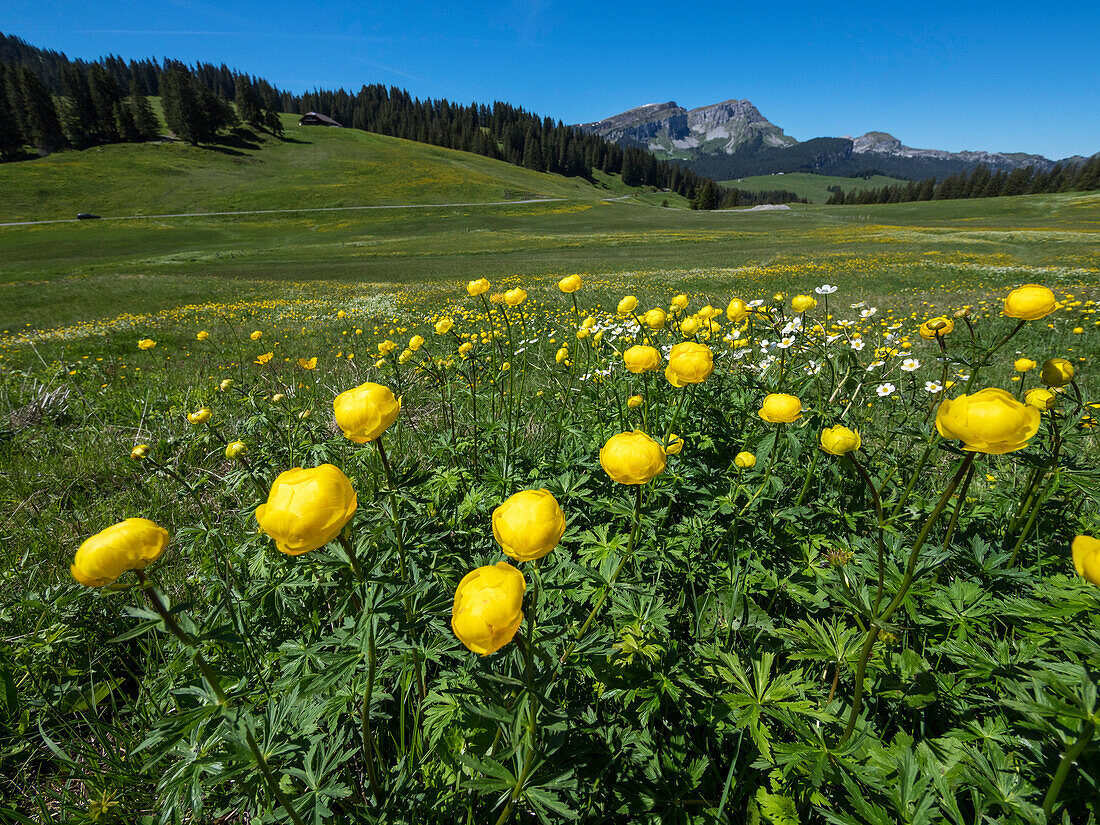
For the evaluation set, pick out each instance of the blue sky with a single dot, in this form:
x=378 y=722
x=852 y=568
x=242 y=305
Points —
x=999 y=76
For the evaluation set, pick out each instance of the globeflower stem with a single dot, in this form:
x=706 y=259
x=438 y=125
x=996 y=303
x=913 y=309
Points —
x=215 y=685
x=899 y=597
x=401 y=558
x=870 y=484
x=989 y=353
x=1088 y=729
x=207 y=520
x=809 y=477
x=614 y=576
x=958 y=507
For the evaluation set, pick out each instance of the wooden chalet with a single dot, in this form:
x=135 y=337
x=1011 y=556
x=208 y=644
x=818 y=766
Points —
x=314 y=119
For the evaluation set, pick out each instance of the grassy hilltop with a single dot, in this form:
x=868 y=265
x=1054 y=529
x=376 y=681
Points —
x=312 y=167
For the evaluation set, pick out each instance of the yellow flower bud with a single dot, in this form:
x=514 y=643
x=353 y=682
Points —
x=365 y=412
x=1056 y=372
x=307 y=509
x=627 y=305
x=655 y=319
x=639 y=359
x=1024 y=364
x=737 y=311
x=129 y=545
x=139 y=452
x=416 y=342
x=528 y=525
x=1086 y=558
x=1040 y=398
x=202 y=335
x=570 y=283
x=839 y=440
x=689 y=363
x=256 y=336
x=989 y=421
x=1030 y=302
x=488 y=607
x=225 y=384
x=235 y=449
x=634 y=402
x=443 y=326
x=780 y=408
x=465 y=348
x=632 y=458
x=583 y=333
x=689 y=326
x=803 y=303
x=200 y=416
x=680 y=302
x=745 y=460
x=561 y=354
x=278 y=398
x=515 y=297
x=146 y=343
x=675 y=444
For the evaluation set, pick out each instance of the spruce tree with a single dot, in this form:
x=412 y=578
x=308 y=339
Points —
x=11 y=135
x=42 y=127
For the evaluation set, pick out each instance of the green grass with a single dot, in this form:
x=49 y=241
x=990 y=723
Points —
x=807 y=185
x=311 y=167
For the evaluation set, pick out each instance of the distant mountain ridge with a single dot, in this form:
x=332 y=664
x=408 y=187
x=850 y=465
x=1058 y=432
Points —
x=733 y=139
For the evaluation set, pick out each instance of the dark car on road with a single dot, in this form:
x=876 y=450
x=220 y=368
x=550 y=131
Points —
x=87 y=216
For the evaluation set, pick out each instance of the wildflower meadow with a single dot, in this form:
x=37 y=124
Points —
x=552 y=549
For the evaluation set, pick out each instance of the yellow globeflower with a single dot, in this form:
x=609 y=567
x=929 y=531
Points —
x=561 y=354
x=200 y=416
x=308 y=363
x=1024 y=364
x=680 y=302
x=675 y=444
x=202 y=335
x=936 y=326
x=737 y=311
x=745 y=460
x=570 y=283
x=632 y=458
x=367 y=411
x=416 y=342
x=464 y=349
x=488 y=608
x=1086 y=558
x=634 y=402
x=639 y=359
x=803 y=303
x=1040 y=399
x=989 y=421
x=477 y=287
x=689 y=326
x=225 y=384
x=256 y=335
x=655 y=319
x=146 y=343
x=129 y=545
x=583 y=333
x=1056 y=372
x=443 y=326
x=307 y=509
x=516 y=296
x=780 y=408
x=839 y=440
x=1030 y=302
x=235 y=449
x=689 y=363
x=263 y=359
x=528 y=525
x=627 y=305
x=140 y=452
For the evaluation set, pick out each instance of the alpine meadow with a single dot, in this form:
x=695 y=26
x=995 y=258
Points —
x=458 y=465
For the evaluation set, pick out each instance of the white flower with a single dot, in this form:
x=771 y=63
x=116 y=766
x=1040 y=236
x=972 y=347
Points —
x=867 y=313
x=813 y=368
x=786 y=343
x=857 y=344
x=885 y=390
x=830 y=338
x=910 y=365
x=859 y=305
x=792 y=325
x=825 y=289
x=756 y=303
x=933 y=386
x=874 y=365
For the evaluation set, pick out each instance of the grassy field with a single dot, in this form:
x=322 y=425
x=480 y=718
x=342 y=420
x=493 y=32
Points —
x=811 y=635
x=311 y=167
x=807 y=185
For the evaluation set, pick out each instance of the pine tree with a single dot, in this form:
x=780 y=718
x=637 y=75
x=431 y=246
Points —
x=146 y=125
x=11 y=135
x=39 y=115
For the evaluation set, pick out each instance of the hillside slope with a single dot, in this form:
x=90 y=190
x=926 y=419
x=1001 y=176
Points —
x=313 y=167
